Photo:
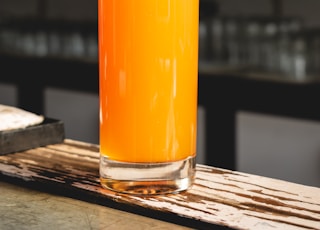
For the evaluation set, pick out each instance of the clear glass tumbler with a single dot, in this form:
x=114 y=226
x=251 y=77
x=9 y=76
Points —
x=148 y=70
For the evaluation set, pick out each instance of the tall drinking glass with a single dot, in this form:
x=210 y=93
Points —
x=148 y=70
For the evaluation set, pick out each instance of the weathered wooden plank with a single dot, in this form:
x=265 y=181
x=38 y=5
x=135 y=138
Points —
x=218 y=197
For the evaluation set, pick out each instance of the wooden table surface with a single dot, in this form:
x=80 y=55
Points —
x=219 y=198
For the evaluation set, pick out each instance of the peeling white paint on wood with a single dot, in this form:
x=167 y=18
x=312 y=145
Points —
x=218 y=196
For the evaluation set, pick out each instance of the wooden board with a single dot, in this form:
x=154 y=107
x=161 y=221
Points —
x=219 y=197
x=50 y=131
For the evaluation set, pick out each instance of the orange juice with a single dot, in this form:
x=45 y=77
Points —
x=148 y=66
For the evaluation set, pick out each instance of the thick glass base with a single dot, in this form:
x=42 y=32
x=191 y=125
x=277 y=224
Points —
x=147 y=178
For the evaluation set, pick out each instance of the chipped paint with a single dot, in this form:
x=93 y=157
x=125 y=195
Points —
x=218 y=196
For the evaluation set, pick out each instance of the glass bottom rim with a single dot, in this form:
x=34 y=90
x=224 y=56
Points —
x=147 y=178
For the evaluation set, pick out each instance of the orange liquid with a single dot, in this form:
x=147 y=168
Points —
x=148 y=66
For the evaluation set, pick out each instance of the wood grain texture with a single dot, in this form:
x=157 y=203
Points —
x=218 y=197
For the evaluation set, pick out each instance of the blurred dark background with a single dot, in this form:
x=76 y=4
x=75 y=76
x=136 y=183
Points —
x=259 y=71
